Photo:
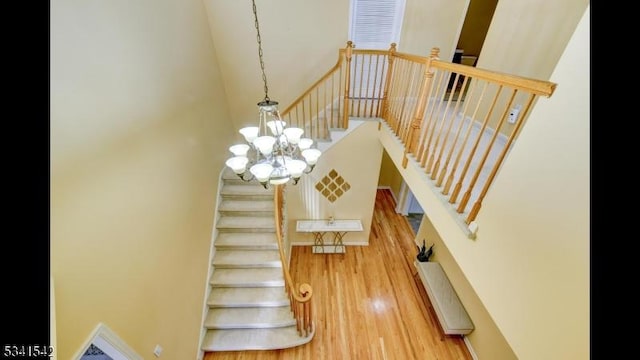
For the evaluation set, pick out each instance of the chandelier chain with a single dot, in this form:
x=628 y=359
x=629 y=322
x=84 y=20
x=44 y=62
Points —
x=264 y=76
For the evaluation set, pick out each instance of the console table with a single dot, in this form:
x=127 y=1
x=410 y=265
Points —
x=321 y=227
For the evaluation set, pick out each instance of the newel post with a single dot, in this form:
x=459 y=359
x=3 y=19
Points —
x=423 y=96
x=348 y=53
x=387 y=83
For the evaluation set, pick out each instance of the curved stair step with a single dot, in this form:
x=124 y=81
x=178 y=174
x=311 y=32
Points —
x=249 y=317
x=254 y=339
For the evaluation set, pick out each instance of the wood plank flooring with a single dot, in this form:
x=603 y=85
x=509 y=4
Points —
x=368 y=303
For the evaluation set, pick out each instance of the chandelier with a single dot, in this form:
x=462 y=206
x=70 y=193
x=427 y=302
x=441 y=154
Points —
x=273 y=153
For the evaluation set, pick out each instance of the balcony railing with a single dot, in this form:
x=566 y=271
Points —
x=457 y=121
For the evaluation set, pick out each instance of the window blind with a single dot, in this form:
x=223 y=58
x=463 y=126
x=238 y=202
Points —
x=375 y=24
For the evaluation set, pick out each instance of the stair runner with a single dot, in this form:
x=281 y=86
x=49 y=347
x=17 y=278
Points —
x=248 y=308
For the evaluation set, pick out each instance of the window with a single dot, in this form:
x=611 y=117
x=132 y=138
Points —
x=375 y=24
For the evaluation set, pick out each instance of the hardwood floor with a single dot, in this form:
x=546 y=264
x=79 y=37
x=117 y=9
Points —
x=368 y=303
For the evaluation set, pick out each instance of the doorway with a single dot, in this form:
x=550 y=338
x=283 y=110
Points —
x=414 y=214
x=409 y=207
x=474 y=31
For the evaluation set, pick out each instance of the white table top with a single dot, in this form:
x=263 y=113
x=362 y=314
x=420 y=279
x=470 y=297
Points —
x=323 y=225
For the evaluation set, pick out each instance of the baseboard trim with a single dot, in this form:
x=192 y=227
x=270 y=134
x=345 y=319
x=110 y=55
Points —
x=471 y=351
x=311 y=243
x=393 y=195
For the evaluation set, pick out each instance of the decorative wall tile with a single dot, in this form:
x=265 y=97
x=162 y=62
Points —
x=332 y=186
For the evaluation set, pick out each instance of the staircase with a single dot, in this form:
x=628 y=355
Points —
x=248 y=305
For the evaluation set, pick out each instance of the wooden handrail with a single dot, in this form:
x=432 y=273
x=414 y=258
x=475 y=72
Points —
x=300 y=298
x=538 y=87
x=326 y=76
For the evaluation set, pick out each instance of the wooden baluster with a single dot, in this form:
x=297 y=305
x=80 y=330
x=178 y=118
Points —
x=325 y=105
x=298 y=317
x=375 y=91
x=458 y=186
x=433 y=121
x=450 y=179
x=429 y=109
x=304 y=118
x=436 y=166
x=341 y=94
x=359 y=59
x=404 y=125
x=496 y=131
x=367 y=95
x=430 y=123
x=392 y=101
x=439 y=133
x=320 y=134
x=305 y=293
x=383 y=77
x=457 y=135
x=347 y=84
x=331 y=97
x=476 y=206
x=387 y=83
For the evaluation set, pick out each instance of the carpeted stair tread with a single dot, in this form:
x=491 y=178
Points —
x=252 y=317
x=246 y=258
x=242 y=190
x=253 y=339
x=248 y=223
x=250 y=206
x=248 y=297
x=247 y=277
x=240 y=240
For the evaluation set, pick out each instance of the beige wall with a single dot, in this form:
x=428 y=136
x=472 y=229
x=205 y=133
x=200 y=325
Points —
x=529 y=263
x=389 y=175
x=300 y=42
x=432 y=23
x=139 y=129
x=486 y=339
x=527 y=37
x=359 y=168
x=543 y=244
